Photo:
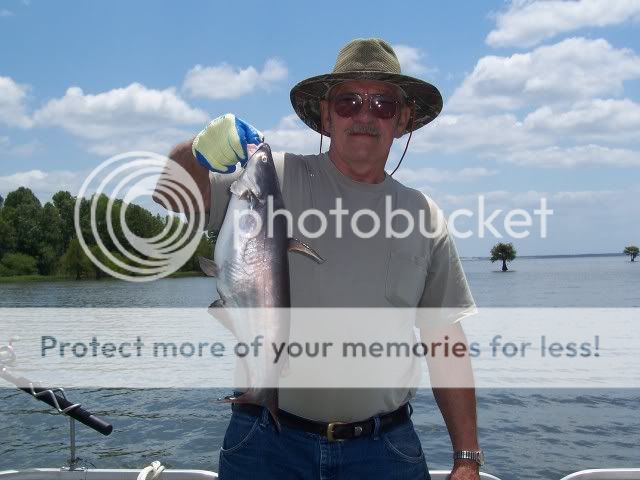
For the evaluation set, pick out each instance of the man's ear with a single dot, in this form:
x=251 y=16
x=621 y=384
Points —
x=406 y=114
x=325 y=118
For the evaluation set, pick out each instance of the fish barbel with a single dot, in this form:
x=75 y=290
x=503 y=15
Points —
x=252 y=269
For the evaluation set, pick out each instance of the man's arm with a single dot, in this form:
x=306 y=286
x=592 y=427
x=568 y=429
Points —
x=183 y=156
x=455 y=396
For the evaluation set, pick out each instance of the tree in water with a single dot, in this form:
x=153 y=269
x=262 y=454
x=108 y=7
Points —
x=504 y=252
x=632 y=251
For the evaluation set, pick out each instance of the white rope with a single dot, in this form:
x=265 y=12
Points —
x=155 y=469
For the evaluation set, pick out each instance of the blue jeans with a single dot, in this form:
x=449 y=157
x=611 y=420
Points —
x=253 y=449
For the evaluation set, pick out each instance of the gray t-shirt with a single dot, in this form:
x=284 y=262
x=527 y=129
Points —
x=420 y=270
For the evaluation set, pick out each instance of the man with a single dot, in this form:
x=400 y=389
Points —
x=363 y=105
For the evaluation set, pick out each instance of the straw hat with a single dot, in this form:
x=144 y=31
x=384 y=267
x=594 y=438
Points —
x=365 y=59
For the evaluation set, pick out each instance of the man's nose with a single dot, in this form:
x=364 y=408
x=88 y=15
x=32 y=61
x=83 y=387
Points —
x=364 y=115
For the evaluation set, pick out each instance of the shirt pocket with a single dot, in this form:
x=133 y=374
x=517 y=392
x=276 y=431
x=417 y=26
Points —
x=406 y=277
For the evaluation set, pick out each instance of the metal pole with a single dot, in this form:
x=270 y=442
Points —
x=72 y=443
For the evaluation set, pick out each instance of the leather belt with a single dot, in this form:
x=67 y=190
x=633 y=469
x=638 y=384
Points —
x=333 y=431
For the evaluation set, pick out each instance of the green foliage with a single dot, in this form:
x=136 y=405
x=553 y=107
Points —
x=18 y=264
x=74 y=261
x=632 y=251
x=65 y=203
x=7 y=236
x=46 y=234
x=504 y=252
x=50 y=240
x=21 y=197
x=48 y=260
x=205 y=249
x=21 y=211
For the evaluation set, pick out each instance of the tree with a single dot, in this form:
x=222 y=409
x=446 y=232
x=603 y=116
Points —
x=75 y=261
x=504 y=252
x=18 y=264
x=50 y=246
x=21 y=196
x=632 y=251
x=7 y=236
x=65 y=204
x=21 y=210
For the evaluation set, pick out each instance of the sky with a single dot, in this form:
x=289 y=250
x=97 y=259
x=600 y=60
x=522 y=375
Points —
x=541 y=98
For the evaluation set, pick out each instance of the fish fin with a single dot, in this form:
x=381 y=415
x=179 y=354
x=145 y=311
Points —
x=219 y=303
x=208 y=266
x=218 y=311
x=268 y=399
x=246 y=190
x=296 y=245
x=238 y=189
x=274 y=416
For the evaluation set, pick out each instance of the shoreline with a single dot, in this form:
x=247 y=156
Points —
x=561 y=255
x=65 y=278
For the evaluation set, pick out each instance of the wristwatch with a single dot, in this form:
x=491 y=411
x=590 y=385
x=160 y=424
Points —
x=477 y=456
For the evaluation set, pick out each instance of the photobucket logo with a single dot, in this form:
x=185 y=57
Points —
x=395 y=222
x=115 y=184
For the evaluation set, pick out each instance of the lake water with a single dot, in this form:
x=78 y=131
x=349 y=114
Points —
x=526 y=434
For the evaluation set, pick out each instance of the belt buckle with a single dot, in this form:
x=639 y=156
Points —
x=330 y=428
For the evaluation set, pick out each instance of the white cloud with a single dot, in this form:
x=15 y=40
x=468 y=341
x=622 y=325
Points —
x=227 y=81
x=583 y=221
x=413 y=176
x=557 y=201
x=593 y=120
x=571 y=157
x=43 y=184
x=6 y=13
x=545 y=108
x=572 y=70
x=157 y=141
x=411 y=60
x=12 y=104
x=526 y=23
x=458 y=133
x=547 y=138
x=292 y=135
x=8 y=149
x=121 y=111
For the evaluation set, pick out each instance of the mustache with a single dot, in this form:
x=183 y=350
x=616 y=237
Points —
x=362 y=129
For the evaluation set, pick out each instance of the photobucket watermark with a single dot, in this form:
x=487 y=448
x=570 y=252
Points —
x=394 y=222
x=107 y=238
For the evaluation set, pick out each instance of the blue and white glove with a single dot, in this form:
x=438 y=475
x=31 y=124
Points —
x=223 y=143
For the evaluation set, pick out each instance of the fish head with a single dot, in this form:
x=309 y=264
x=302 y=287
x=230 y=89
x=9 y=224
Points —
x=259 y=179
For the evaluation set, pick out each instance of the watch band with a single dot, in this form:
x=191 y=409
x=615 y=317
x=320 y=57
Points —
x=475 y=455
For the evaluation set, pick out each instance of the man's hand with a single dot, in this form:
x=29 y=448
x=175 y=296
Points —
x=465 y=470
x=223 y=143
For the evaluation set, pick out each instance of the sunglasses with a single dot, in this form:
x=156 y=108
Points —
x=382 y=106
